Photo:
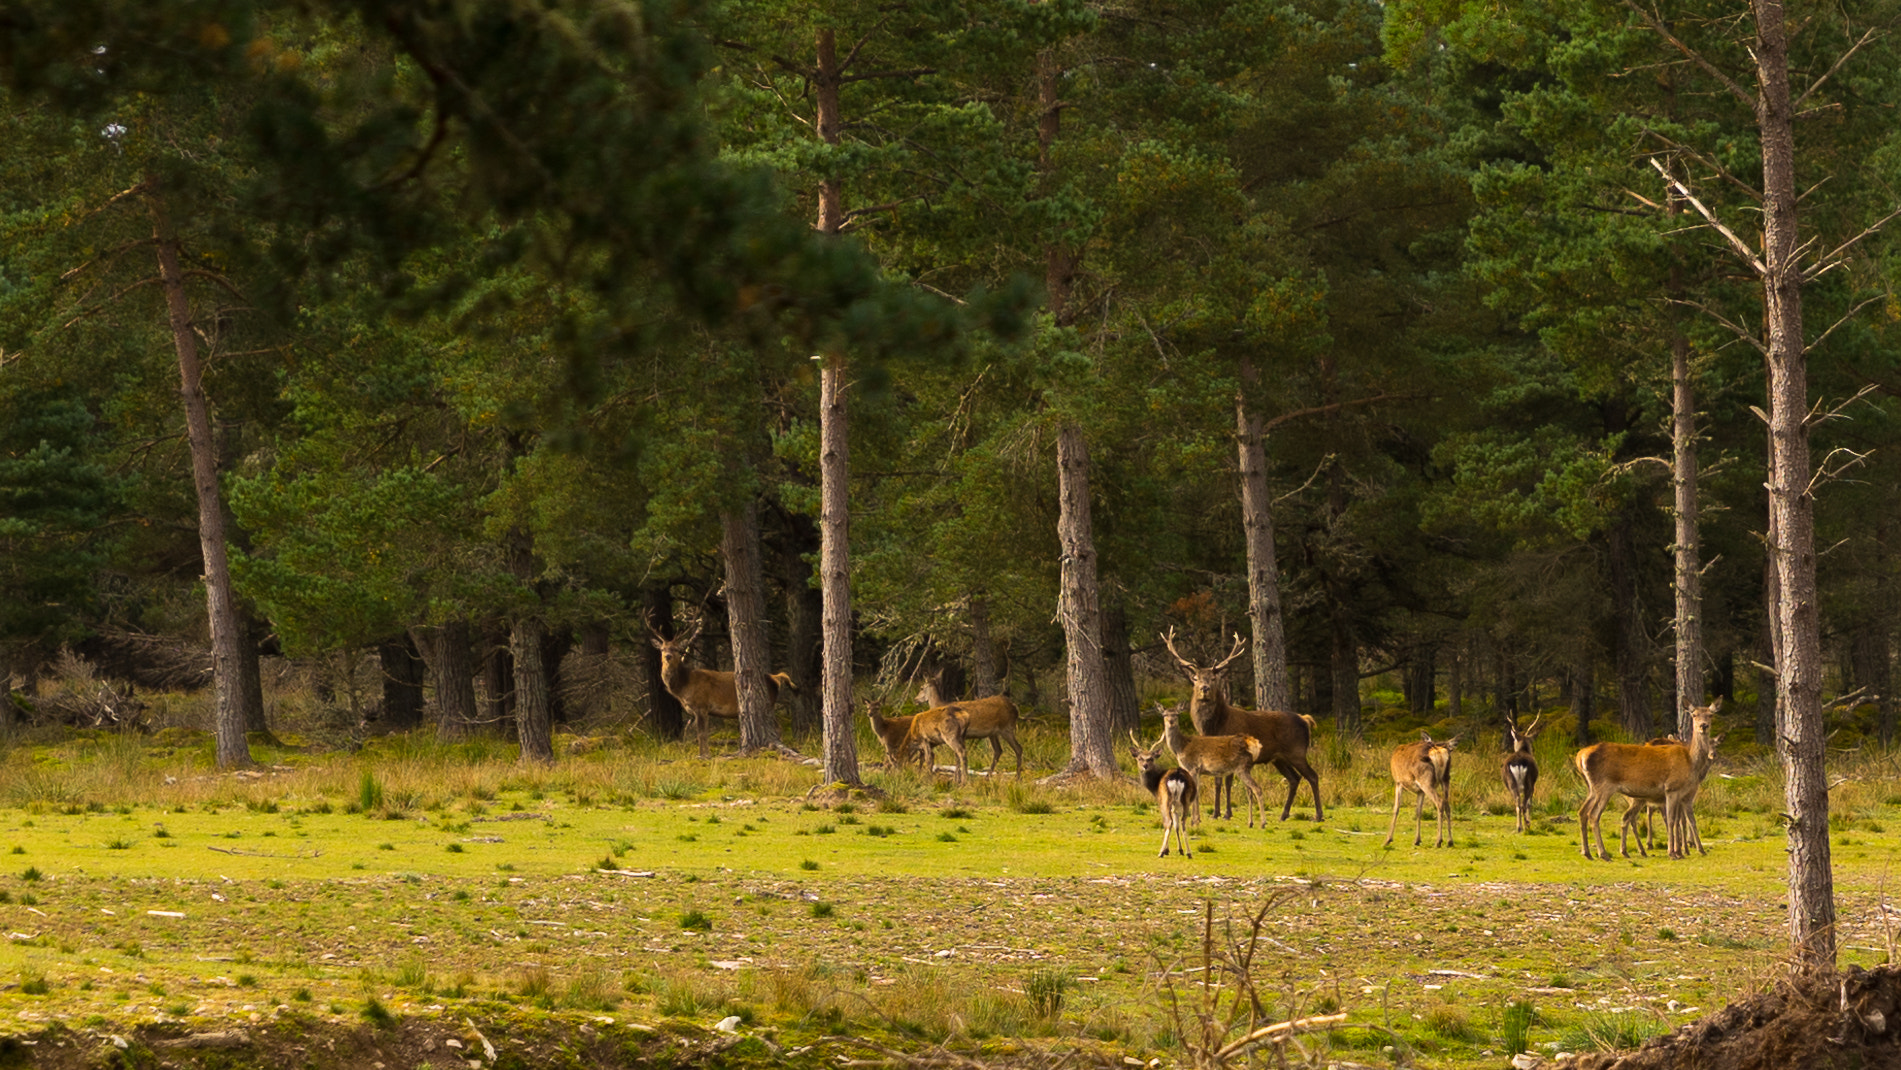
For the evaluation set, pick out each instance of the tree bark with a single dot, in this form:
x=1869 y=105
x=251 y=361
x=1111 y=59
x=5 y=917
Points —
x=983 y=653
x=498 y=676
x=1118 y=658
x=1688 y=565
x=1584 y=699
x=446 y=649
x=228 y=633
x=805 y=615
x=1633 y=684
x=1799 y=669
x=746 y=623
x=1271 y=691
x=1092 y=748
x=669 y=719
x=534 y=701
x=402 y=673
x=1344 y=658
x=1455 y=681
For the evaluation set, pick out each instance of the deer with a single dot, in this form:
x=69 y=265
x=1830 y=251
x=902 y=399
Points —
x=1521 y=769
x=705 y=692
x=945 y=726
x=1284 y=737
x=1642 y=810
x=1174 y=791
x=1219 y=756
x=992 y=717
x=1425 y=769
x=1670 y=772
x=891 y=732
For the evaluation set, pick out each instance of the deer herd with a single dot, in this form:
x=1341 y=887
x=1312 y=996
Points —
x=1662 y=775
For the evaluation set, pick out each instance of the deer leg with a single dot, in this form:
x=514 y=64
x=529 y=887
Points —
x=963 y=761
x=1010 y=736
x=996 y=754
x=1588 y=815
x=1304 y=771
x=1293 y=784
x=701 y=730
x=1254 y=798
x=1419 y=814
x=1399 y=793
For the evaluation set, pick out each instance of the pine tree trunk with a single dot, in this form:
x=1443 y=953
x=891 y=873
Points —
x=251 y=673
x=669 y=720
x=446 y=649
x=1583 y=699
x=1689 y=576
x=402 y=673
x=228 y=633
x=1271 y=691
x=1118 y=659
x=1633 y=684
x=746 y=623
x=533 y=702
x=983 y=653
x=1799 y=667
x=805 y=615
x=1092 y=748
x=498 y=677
x=1345 y=661
x=1455 y=681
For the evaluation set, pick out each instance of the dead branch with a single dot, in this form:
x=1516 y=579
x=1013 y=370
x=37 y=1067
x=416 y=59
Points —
x=1318 y=468
x=1869 y=35
x=1742 y=249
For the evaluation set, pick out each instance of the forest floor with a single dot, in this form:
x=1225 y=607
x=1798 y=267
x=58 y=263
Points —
x=414 y=906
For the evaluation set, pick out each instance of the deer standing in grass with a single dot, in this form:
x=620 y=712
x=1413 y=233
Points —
x=1425 y=769
x=705 y=692
x=1174 y=793
x=1641 y=810
x=1284 y=737
x=945 y=726
x=891 y=732
x=1667 y=772
x=1216 y=756
x=992 y=717
x=1521 y=769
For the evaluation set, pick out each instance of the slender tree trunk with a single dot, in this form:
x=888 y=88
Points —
x=805 y=615
x=446 y=649
x=498 y=676
x=1799 y=669
x=746 y=617
x=1455 y=681
x=1092 y=748
x=1689 y=575
x=983 y=653
x=1271 y=691
x=402 y=673
x=1584 y=698
x=1633 y=684
x=534 y=702
x=1881 y=643
x=669 y=720
x=1118 y=658
x=228 y=633
x=1346 y=677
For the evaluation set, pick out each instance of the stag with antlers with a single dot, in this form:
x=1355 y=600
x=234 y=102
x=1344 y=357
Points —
x=705 y=693
x=1285 y=737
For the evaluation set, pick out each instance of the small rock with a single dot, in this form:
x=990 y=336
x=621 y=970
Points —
x=1525 y=1060
x=728 y=1024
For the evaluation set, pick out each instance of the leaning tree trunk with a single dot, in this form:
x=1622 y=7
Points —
x=746 y=624
x=1271 y=691
x=1791 y=504
x=1091 y=746
x=1689 y=575
x=227 y=630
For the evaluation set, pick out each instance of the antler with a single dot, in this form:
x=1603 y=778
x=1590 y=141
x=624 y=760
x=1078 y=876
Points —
x=1169 y=641
x=1239 y=646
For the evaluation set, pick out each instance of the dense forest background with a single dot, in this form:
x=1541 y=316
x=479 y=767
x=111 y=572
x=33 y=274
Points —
x=513 y=318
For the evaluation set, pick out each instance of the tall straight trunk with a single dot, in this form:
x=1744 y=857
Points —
x=1768 y=705
x=1091 y=747
x=1633 y=683
x=983 y=653
x=402 y=672
x=1688 y=564
x=452 y=670
x=1455 y=681
x=228 y=633
x=1118 y=660
x=1345 y=660
x=1880 y=661
x=534 y=700
x=1799 y=669
x=841 y=740
x=746 y=622
x=804 y=616
x=1271 y=690
x=669 y=720
x=251 y=672
x=1584 y=698
x=498 y=676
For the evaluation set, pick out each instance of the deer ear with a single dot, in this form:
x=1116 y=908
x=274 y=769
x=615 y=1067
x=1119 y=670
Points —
x=1716 y=704
x=657 y=644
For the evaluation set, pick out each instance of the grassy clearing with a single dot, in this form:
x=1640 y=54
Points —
x=631 y=881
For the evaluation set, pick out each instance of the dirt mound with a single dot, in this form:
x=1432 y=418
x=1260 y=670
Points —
x=1817 y=1021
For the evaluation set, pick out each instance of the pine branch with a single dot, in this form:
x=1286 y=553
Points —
x=1656 y=26
x=1749 y=257
x=1866 y=37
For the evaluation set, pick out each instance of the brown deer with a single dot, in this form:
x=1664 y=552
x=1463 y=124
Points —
x=1284 y=736
x=945 y=726
x=1425 y=769
x=891 y=732
x=705 y=692
x=1174 y=793
x=1641 y=810
x=1669 y=772
x=1217 y=756
x=992 y=717
x=1521 y=769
